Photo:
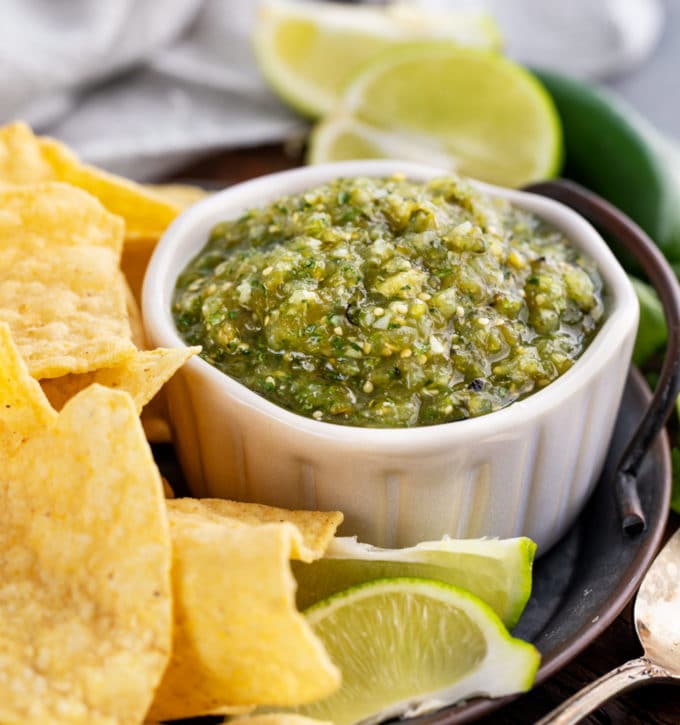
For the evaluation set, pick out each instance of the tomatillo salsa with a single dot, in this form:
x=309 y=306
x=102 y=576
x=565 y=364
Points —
x=389 y=303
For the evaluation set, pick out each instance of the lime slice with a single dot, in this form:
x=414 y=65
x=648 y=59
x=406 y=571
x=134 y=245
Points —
x=341 y=138
x=496 y=571
x=414 y=645
x=308 y=50
x=465 y=109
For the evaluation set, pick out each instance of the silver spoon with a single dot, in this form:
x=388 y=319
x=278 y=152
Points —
x=657 y=623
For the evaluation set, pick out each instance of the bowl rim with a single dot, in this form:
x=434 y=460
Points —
x=177 y=246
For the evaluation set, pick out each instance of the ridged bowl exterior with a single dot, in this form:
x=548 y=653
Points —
x=525 y=470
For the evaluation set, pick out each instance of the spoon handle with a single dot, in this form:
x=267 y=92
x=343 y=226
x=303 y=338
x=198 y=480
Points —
x=631 y=674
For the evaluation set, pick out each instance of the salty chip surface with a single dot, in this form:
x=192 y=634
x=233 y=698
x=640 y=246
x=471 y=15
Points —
x=61 y=290
x=24 y=409
x=21 y=161
x=182 y=195
x=238 y=638
x=141 y=375
x=85 y=611
x=316 y=528
x=29 y=159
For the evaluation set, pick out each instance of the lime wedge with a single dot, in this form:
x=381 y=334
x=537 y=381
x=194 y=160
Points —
x=498 y=571
x=464 y=109
x=308 y=50
x=414 y=645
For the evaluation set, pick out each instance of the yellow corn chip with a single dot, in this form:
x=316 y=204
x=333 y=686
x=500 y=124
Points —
x=167 y=488
x=27 y=159
x=155 y=413
x=134 y=262
x=182 y=195
x=24 y=409
x=238 y=638
x=85 y=609
x=141 y=375
x=39 y=217
x=135 y=319
x=146 y=214
x=61 y=291
x=66 y=313
x=21 y=161
x=316 y=528
x=155 y=422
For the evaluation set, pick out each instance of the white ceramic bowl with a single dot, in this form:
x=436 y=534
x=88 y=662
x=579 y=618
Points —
x=526 y=469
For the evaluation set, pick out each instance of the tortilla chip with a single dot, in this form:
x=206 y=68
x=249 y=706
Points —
x=85 y=609
x=167 y=488
x=135 y=319
x=155 y=423
x=28 y=159
x=155 y=414
x=182 y=195
x=61 y=291
x=238 y=638
x=146 y=214
x=141 y=375
x=66 y=311
x=317 y=528
x=21 y=161
x=40 y=217
x=134 y=262
x=24 y=409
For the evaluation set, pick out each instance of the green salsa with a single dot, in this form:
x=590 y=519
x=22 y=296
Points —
x=389 y=303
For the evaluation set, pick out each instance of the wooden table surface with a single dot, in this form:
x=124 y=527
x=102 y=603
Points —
x=652 y=705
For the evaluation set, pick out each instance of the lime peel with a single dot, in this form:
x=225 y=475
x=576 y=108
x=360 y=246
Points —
x=307 y=50
x=460 y=108
x=440 y=631
x=496 y=571
x=405 y=146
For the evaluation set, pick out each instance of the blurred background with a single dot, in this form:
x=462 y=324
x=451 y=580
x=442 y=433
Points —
x=144 y=87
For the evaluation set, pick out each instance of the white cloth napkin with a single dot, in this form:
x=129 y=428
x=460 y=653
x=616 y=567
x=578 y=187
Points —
x=141 y=87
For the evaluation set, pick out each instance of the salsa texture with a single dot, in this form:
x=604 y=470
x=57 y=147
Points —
x=389 y=303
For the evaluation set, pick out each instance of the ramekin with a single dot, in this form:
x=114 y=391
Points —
x=524 y=470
